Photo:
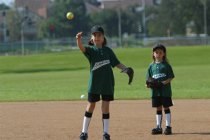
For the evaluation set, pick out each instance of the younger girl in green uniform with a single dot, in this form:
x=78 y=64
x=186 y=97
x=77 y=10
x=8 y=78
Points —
x=101 y=83
x=162 y=72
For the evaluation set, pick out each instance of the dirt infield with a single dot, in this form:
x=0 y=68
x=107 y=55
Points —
x=130 y=120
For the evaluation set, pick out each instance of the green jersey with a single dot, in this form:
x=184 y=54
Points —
x=161 y=71
x=101 y=75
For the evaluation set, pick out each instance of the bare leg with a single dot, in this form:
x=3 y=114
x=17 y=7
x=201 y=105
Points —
x=90 y=107
x=105 y=107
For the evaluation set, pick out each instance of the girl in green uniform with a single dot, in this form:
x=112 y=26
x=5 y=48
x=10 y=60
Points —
x=101 y=82
x=161 y=71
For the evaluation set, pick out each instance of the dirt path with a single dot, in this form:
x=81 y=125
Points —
x=130 y=120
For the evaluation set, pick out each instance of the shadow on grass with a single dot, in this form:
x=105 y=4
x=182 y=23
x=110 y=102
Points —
x=193 y=133
x=43 y=70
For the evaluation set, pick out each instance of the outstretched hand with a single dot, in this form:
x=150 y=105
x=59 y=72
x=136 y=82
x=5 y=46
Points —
x=79 y=42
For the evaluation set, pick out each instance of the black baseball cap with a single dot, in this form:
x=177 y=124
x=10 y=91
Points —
x=97 y=28
x=159 y=46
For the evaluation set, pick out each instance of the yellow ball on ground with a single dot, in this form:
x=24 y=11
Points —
x=69 y=15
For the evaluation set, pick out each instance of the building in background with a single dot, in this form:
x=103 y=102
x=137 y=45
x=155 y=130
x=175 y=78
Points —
x=91 y=8
x=36 y=6
x=31 y=11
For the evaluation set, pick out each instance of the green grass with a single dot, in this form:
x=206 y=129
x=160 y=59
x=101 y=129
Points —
x=64 y=76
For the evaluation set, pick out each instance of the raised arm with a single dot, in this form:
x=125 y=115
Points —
x=79 y=42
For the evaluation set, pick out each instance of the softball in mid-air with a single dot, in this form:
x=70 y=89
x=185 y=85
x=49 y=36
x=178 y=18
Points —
x=69 y=15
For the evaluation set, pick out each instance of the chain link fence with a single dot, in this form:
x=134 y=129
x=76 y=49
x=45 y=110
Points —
x=67 y=44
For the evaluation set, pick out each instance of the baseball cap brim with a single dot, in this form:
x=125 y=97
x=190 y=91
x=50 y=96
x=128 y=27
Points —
x=159 y=46
x=96 y=29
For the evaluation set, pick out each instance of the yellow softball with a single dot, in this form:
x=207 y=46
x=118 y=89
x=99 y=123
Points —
x=69 y=15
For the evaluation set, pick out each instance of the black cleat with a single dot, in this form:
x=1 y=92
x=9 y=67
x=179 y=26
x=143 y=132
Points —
x=168 y=130
x=156 y=131
x=83 y=136
x=106 y=137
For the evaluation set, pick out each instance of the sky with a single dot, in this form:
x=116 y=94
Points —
x=7 y=2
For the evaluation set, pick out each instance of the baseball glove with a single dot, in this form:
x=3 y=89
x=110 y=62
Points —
x=130 y=72
x=153 y=83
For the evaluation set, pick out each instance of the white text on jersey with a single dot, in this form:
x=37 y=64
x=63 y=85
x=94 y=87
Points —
x=100 y=64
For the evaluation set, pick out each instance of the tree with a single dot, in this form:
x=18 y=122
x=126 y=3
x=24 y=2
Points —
x=108 y=19
x=62 y=26
x=131 y=20
x=174 y=15
x=4 y=7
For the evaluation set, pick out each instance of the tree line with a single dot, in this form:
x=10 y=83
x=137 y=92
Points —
x=170 y=17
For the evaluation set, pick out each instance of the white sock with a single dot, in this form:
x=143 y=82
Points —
x=106 y=125
x=168 y=119
x=85 y=125
x=158 y=120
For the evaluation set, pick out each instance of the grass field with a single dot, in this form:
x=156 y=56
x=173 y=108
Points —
x=64 y=76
